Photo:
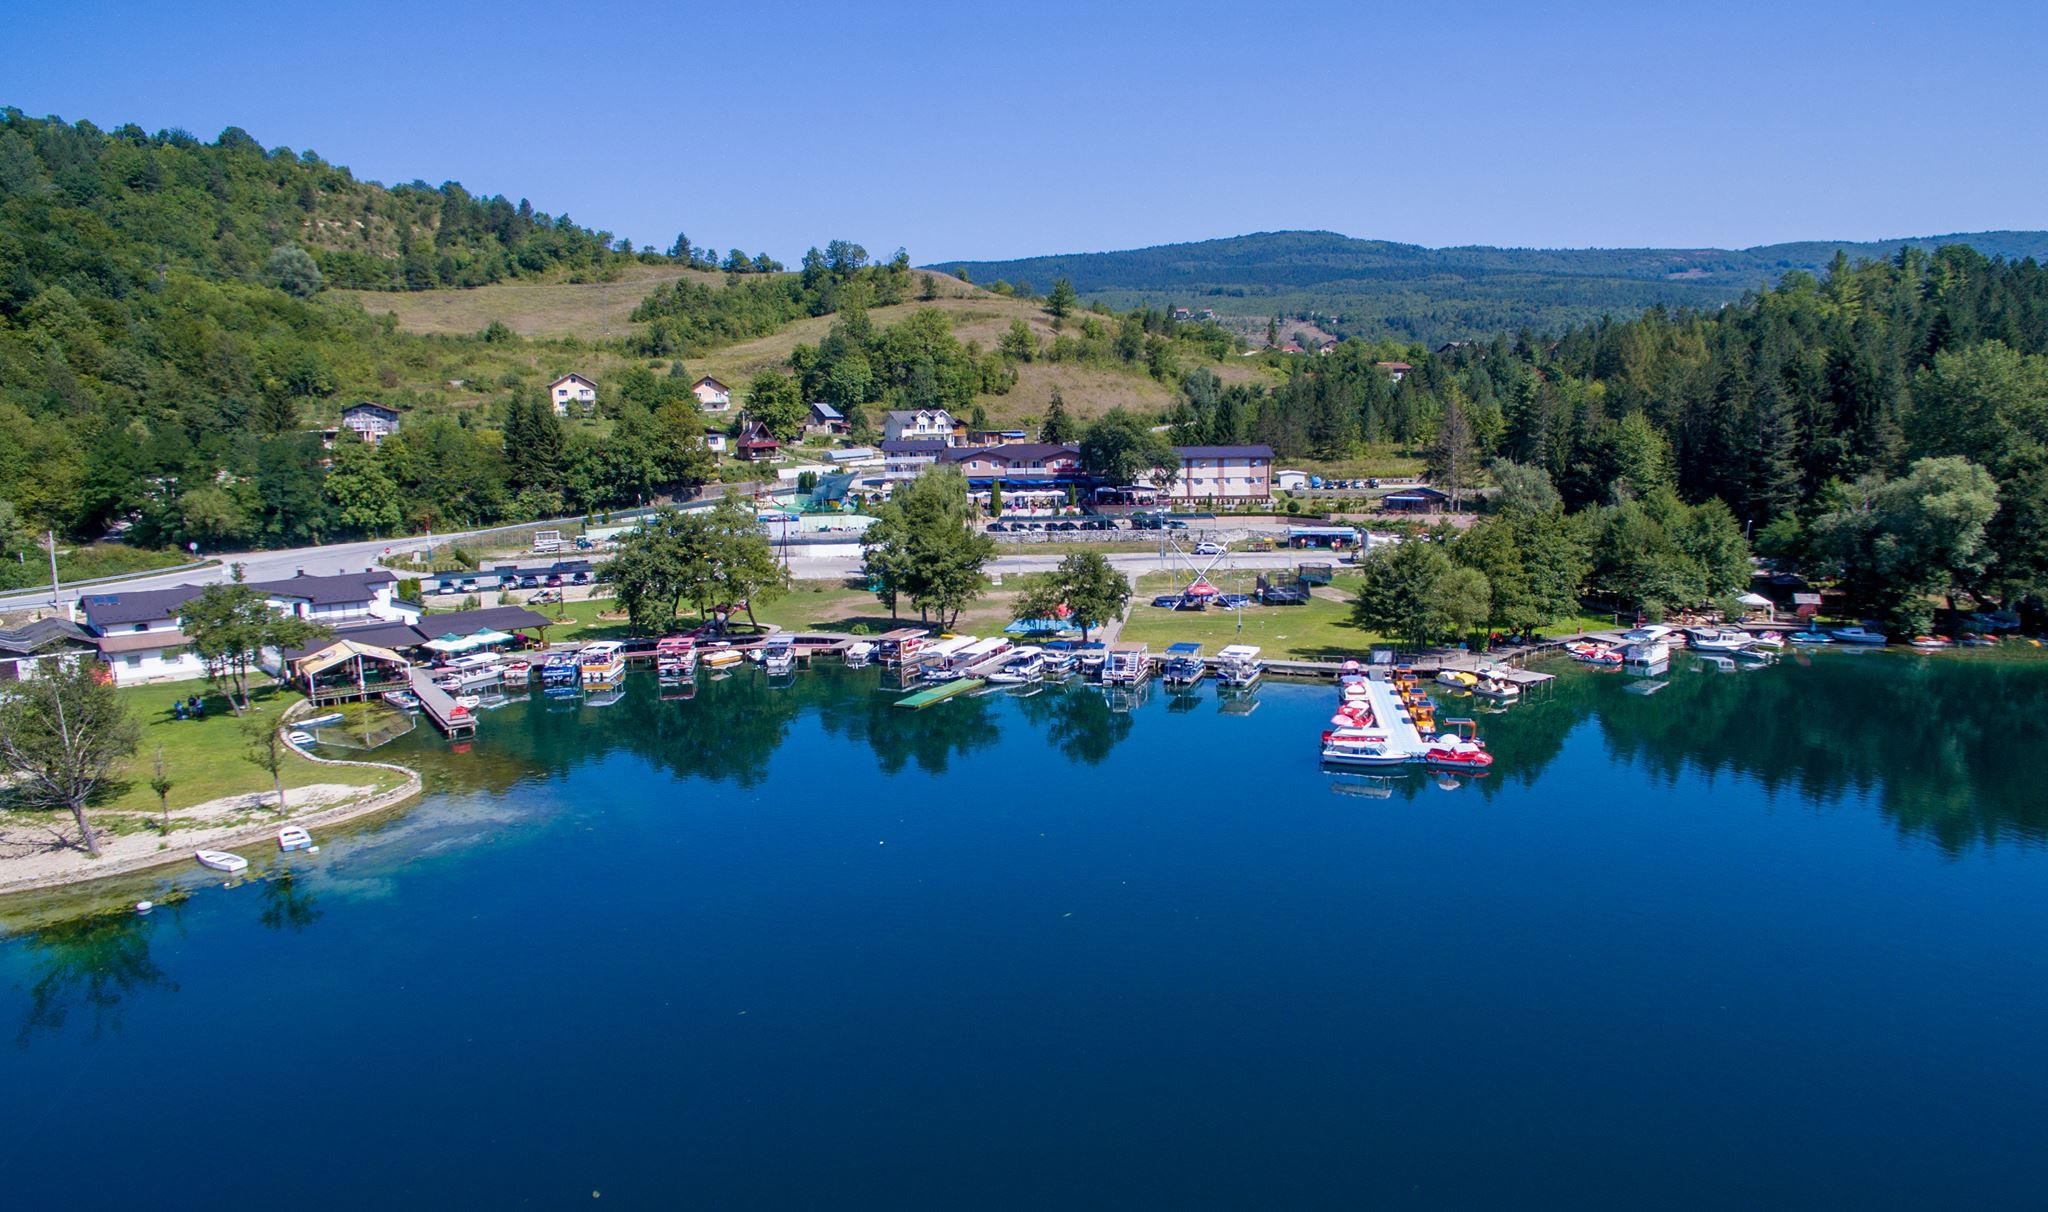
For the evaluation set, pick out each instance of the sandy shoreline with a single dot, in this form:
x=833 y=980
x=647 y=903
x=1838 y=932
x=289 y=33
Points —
x=35 y=858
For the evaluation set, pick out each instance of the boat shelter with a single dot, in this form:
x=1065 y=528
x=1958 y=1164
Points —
x=349 y=669
x=454 y=644
x=1416 y=500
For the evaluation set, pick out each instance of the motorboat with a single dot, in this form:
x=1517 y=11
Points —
x=1183 y=665
x=902 y=646
x=1859 y=635
x=1810 y=637
x=1129 y=663
x=299 y=738
x=721 y=657
x=559 y=670
x=1648 y=645
x=1592 y=653
x=464 y=672
x=859 y=653
x=1361 y=747
x=602 y=665
x=1454 y=752
x=291 y=837
x=404 y=700
x=1060 y=663
x=1717 y=639
x=778 y=659
x=221 y=860
x=1024 y=665
x=675 y=659
x=469 y=702
x=1771 y=640
x=1929 y=643
x=1972 y=640
x=1497 y=688
x=1239 y=667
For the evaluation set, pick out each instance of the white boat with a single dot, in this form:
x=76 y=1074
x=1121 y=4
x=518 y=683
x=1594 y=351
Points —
x=859 y=653
x=1769 y=639
x=221 y=860
x=1183 y=666
x=1362 y=747
x=1239 y=667
x=464 y=672
x=291 y=837
x=301 y=739
x=602 y=664
x=779 y=658
x=469 y=702
x=1718 y=639
x=1027 y=664
x=1499 y=689
x=1649 y=645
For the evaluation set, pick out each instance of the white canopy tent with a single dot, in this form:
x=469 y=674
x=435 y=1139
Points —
x=449 y=645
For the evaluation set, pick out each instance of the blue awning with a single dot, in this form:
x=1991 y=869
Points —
x=1040 y=627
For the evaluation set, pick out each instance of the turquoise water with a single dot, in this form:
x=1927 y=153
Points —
x=1770 y=938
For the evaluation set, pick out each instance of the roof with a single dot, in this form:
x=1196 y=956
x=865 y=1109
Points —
x=825 y=412
x=379 y=634
x=104 y=610
x=367 y=406
x=850 y=454
x=902 y=413
x=708 y=381
x=1011 y=452
x=911 y=446
x=337 y=651
x=41 y=634
x=1224 y=452
x=1417 y=493
x=490 y=618
x=327 y=590
x=137 y=641
x=572 y=375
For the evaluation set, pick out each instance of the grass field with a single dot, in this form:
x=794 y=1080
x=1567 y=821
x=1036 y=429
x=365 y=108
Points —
x=585 y=310
x=205 y=758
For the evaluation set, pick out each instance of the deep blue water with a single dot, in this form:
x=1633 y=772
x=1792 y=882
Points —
x=1772 y=939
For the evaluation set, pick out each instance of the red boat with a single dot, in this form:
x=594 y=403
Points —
x=1453 y=753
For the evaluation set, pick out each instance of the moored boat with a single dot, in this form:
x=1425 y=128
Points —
x=675 y=659
x=1859 y=635
x=291 y=837
x=221 y=860
x=1183 y=665
x=1361 y=747
x=858 y=654
x=602 y=665
x=1717 y=639
x=1238 y=666
x=1026 y=664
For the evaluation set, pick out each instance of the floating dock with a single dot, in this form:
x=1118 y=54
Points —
x=1391 y=718
x=944 y=690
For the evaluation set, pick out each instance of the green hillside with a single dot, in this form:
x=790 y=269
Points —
x=1380 y=290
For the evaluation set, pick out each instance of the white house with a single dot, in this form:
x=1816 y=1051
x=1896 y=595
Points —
x=712 y=395
x=1290 y=481
x=716 y=443
x=572 y=391
x=141 y=635
x=918 y=425
x=28 y=650
x=372 y=422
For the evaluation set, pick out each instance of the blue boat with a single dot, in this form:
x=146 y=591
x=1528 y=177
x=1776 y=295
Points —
x=1859 y=635
x=1810 y=637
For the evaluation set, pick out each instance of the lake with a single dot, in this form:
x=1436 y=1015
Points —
x=1766 y=938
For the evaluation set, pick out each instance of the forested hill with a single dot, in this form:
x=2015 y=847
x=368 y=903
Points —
x=114 y=207
x=1375 y=289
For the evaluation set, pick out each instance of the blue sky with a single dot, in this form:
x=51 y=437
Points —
x=961 y=131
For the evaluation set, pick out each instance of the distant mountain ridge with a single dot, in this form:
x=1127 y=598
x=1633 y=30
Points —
x=1377 y=288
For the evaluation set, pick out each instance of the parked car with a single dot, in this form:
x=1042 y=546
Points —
x=529 y=582
x=555 y=581
x=1373 y=483
x=581 y=578
x=1175 y=524
x=1210 y=549
x=996 y=527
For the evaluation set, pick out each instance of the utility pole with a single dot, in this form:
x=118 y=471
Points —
x=50 y=537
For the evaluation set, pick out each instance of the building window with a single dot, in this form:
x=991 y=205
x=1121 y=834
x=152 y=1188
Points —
x=134 y=660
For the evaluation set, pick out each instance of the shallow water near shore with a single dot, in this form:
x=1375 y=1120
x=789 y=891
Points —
x=1762 y=938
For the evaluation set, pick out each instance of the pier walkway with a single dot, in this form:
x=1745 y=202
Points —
x=440 y=706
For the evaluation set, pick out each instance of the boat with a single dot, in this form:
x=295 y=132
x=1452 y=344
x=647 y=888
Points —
x=675 y=659
x=463 y=672
x=1859 y=635
x=937 y=657
x=291 y=837
x=982 y=655
x=1717 y=639
x=1026 y=664
x=1129 y=663
x=560 y=670
x=1769 y=639
x=859 y=653
x=301 y=739
x=469 y=702
x=1592 y=653
x=518 y=669
x=1649 y=645
x=1238 y=666
x=221 y=860
x=1811 y=636
x=1183 y=666
x=1497 y=688
x=1457 y=679
x=1454 y=752
x=332 y=717
x=902 y=646
x=1929 y=643
x=602 y=665
x=404 y=700
x=778 y=659
x=1973 y=640
x=1361 y=747
x=1060 y=664
x=721 y=657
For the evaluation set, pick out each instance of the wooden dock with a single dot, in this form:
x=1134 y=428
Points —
x=441 y=708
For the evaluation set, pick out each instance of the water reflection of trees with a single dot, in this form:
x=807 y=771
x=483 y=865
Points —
x=1942 y=745
x=1078 y=722
x=92 y=964
x=287 y=905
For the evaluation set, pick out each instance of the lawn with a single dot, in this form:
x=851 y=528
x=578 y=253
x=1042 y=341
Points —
x=206 y=758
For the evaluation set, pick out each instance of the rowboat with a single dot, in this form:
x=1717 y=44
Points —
x=221 y=860
x=291 y=837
